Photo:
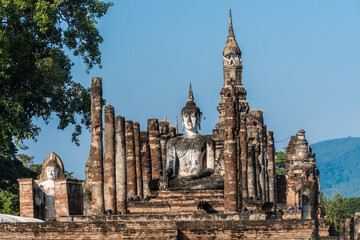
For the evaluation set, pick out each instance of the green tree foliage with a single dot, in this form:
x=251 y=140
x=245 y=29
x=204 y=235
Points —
x=10 y=171
x=352 y=205
x=335 y=209
x=280 y=162
x=35 y=72
x=9 y=203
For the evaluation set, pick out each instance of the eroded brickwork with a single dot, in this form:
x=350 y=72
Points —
x=130 y=159
x=205 y=229
x=138 y=161
x=302 y=185
x=94 y=171
x=155 y=151
x=109 y=159
x=26 y=190
x=120 y=161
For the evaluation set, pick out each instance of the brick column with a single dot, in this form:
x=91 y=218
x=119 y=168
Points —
x=261 y=161
x=146 y=169
x=164 y=137
x=349 y=229
x=230 y=180
x=139 y=180
x=26 y=194
x=109 y=160
x=120 y=165
x=265 y=168
x=155 y=152
x=94 y=183
x=357 y=226
x=130 y=159
x=61 y=198
x=257 y=168
x=251 y=171
x=243 y=154
x=172 y=132
x=271 y=166
x=342 y=230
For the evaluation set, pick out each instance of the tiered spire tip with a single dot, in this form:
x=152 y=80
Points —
x=231 y=44
x=191 y=95
x=231 y=31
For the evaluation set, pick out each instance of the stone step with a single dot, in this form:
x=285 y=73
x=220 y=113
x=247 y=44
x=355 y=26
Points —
x=190 y=193
x=170 y=210
x=172 y=207
x=185 y=199
x=155 y=204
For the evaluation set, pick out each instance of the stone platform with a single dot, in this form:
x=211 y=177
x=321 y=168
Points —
x=197 y=227
x=180 y=202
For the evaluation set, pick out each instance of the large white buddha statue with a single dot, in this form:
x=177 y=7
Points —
x=189 y=156
x=48 y=188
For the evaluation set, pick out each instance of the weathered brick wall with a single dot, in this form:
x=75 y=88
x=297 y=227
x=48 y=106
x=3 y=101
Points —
x=26 y=190
x=218 y=229
x=262 y=229
x=89 y=230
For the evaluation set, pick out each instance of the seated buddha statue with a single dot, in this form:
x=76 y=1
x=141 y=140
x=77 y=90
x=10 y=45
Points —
x=190 y=158
x=47 y=195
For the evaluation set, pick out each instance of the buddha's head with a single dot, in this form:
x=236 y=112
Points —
x=191 y=115
x=52 y=170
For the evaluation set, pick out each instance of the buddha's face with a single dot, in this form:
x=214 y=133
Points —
x=190 y=120
x=52 y=172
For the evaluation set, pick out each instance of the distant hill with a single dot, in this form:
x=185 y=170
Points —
x=339 y=163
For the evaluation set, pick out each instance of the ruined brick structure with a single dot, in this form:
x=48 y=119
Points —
x=302 y=179
x=67 y=193
x=253 y=144
x=350 y=228
x=232 y=194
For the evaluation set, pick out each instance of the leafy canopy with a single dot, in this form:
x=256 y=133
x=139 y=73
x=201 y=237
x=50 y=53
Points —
x=334 y=209
x=35 y=75
x=280 y=158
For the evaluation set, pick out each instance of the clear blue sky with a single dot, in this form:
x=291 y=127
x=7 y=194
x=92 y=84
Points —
x=301 y=66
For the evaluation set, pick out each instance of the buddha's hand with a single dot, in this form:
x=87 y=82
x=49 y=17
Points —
x=204 y=173
x=164 y=182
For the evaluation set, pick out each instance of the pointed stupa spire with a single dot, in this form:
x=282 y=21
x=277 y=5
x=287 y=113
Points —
x=231 y=31
x=231 y=44
x=191 y=95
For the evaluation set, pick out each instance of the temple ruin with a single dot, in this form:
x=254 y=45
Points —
x=159 y=183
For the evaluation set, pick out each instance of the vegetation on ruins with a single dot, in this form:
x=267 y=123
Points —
x=22 y=166
x=337 y=208
x=35 y=71
x=10 y=171
x=36 y=81
x=280 y=162
x=334 y=209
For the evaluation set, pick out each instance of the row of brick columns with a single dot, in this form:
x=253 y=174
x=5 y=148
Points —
x=350 y=228
x=131 y=158
x=261 y=181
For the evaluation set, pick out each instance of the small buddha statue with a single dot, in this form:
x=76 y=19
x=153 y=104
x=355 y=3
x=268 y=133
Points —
x=189 y=156
x=48 y=189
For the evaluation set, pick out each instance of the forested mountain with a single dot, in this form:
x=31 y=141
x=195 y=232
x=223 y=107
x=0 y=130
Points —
x=339 y=163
